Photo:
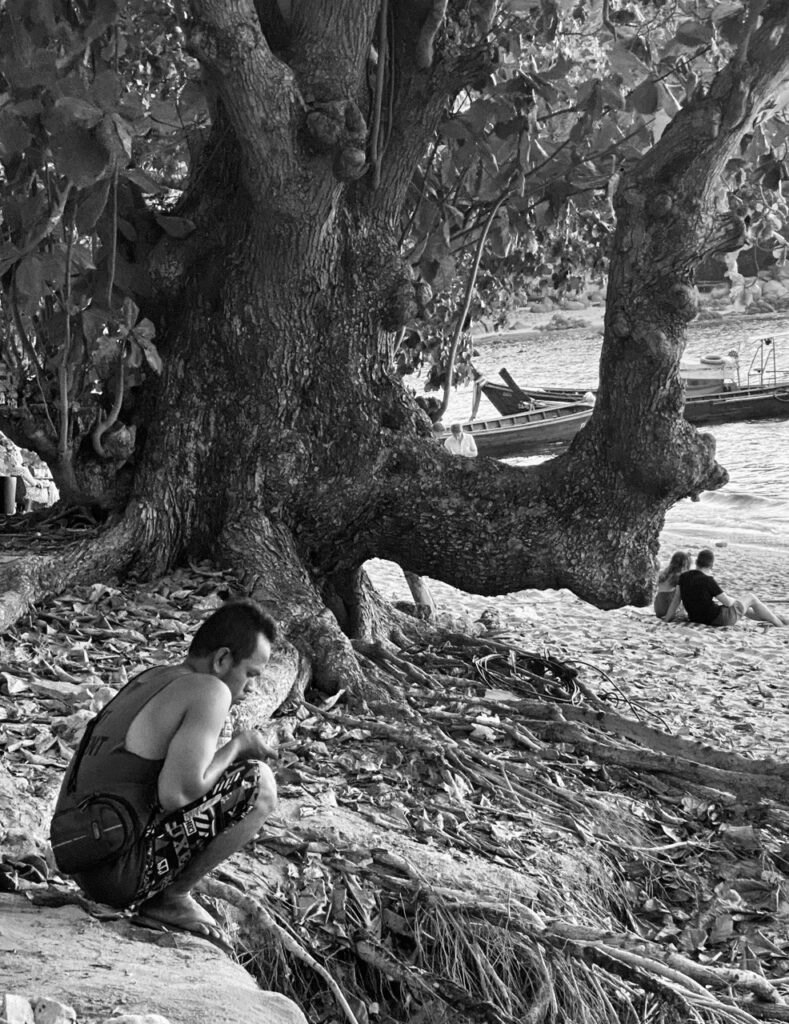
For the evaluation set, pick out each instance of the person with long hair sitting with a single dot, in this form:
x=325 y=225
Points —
x=667 y=597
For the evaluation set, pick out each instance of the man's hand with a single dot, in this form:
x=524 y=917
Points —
x=252 y=745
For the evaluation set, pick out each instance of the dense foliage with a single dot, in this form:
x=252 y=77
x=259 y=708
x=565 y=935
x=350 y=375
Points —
x=102 y=110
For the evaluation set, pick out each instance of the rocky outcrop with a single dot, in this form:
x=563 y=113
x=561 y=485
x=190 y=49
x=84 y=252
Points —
x=101 y=968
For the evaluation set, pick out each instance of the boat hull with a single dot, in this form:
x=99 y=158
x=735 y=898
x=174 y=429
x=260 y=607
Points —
x=737 y=406
x=527 y=433
x=732 y=406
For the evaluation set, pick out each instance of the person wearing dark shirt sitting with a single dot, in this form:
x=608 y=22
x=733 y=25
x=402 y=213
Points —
x=707 y=604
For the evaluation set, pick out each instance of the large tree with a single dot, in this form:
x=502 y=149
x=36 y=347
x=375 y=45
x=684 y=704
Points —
x=277 y=438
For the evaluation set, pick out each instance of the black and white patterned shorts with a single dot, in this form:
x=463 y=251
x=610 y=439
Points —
x=173 y=839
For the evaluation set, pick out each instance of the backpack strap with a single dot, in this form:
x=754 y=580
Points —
x=83 y=746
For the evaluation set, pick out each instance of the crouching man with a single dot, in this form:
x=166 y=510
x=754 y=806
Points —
x=149 y=805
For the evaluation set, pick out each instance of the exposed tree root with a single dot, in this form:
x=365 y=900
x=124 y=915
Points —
x=462 y=954
x=269 y=568
x=26 y=579
x=534 y=857
x=259 y=919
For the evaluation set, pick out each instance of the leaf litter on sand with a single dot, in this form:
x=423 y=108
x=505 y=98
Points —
x=588 y=861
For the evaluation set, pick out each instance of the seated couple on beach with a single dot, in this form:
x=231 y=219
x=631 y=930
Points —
x=703 y=599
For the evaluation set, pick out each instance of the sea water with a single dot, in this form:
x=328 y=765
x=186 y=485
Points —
x=753 y=508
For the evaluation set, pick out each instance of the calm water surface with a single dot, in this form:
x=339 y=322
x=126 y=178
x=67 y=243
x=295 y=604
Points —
x=754 y=506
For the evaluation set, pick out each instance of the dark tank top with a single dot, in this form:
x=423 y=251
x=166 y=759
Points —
x=106 y=766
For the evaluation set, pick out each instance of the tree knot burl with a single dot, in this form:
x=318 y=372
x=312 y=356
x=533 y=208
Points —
x=400 y=305
x=657 y=341
x=337 y=125
x=620 y=325
x=685 y=300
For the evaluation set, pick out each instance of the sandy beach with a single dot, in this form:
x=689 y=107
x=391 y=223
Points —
x=728 y=686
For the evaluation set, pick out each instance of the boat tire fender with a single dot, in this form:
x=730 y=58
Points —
x=713 y=360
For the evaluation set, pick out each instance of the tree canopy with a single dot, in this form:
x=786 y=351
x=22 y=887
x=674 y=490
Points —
x=105 y=107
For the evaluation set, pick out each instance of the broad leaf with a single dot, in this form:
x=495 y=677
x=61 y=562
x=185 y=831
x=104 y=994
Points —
x=9 y=255
x=80 y=111
x=29 y=279
x=645 y=98
x=105 y=15
x=106 y=89
x=93 y=323
x=130 y=311
x=14 y=135
x=142 y=181
x=143 y=334
x=723 y=9
x=694 y=33
x=92 y=206
x=79 y=157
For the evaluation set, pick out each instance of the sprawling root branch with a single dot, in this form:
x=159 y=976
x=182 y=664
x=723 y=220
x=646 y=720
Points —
x=259 y=920
x=265 y=557
x=29 y=578
x=638 y=951
x=365 y=616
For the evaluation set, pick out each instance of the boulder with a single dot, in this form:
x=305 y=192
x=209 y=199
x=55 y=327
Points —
x=100 y=966
x=24 y=829
x=16 y=1009
x=50 y=1011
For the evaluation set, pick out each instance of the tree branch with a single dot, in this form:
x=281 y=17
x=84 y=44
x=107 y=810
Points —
x=752 y=20
x=63 y=368
x=472 y=278
x=331 y=42
x=257 y=90
x=24 y=581
x=27 y=346
x=270 y=569
x=380 y=77
x=427 y=33
x=667 y=216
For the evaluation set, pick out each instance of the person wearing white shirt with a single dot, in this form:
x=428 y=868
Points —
x=460 y=443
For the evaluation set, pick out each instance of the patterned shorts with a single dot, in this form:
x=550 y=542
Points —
x=172 y=840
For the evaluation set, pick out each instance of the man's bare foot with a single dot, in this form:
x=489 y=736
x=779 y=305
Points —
x=180 y=911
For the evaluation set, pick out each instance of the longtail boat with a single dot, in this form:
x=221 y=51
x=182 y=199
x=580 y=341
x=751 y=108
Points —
x=716 y=391
x=527 y=433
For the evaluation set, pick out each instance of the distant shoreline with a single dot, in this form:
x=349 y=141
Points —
x=527 y=323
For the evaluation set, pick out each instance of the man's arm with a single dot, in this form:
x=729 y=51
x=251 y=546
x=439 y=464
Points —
x=725 y=600
x=192 y=764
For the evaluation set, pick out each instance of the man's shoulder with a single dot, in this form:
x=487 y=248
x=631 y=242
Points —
x=188 y=688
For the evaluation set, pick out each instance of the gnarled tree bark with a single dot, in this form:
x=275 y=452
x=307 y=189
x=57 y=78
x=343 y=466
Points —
x=279 y=441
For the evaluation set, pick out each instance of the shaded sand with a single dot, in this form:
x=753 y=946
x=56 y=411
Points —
x=729 y=686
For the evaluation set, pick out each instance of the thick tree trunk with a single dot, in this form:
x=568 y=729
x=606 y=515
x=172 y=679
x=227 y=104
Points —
x=280 y=442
